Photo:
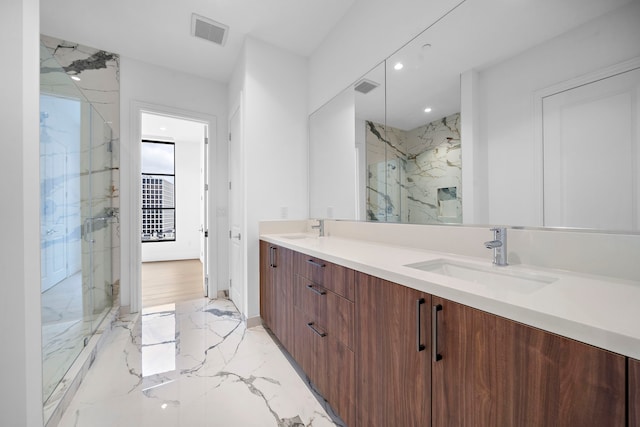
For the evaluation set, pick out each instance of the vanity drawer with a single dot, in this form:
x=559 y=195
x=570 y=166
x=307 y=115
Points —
x=330 y=276
x=310 y=299
x=340 y=319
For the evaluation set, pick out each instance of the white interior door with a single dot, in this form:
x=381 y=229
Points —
x=236 y=214
x=592 y=155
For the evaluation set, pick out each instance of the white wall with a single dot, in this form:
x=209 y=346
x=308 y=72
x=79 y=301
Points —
x=369 y=32
x=187 y=203
x=21 y=369
x=171 y=90
x=506 y=116
x=274 y=86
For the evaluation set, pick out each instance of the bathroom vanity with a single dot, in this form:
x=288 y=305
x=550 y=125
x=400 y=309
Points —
x=389 y=336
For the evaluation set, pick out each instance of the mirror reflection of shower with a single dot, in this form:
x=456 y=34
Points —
x=414 y=176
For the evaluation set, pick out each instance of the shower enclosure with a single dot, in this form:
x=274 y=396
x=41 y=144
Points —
x=76 y=220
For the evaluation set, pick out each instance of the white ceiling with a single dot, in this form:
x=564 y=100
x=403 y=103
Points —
x=165 y=128
x=159 y=31
x=476 y=35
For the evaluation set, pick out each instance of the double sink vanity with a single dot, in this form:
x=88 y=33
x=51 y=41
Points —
x=400 y=335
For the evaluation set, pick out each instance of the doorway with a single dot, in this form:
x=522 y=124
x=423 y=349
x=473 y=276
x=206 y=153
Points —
x=237 y=248
x=173 y=214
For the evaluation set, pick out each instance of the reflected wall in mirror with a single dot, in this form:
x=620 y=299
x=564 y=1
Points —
x=332 y=160
x=494 y=66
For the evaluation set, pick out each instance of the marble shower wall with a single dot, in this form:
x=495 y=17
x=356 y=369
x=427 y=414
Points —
x=415 y=176
x=99 y=72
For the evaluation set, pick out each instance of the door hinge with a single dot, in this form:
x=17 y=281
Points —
x=206 y=187
x=229 y=233
x=230 y=281
x=206 y=233
x=229 y=136
x=229 y=185
x=206 y=141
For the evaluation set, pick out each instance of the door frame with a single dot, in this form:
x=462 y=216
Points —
x=131 y=262
x=237 y=108
x=538 y=98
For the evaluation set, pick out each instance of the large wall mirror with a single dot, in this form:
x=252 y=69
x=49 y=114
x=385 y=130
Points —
x=518 y=113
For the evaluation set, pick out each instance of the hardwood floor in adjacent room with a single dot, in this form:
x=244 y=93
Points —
x=165 y=282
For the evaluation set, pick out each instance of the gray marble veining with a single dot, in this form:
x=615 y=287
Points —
x=415 y=176
x=194 y=364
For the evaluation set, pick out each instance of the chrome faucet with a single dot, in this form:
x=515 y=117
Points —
x=499 y=245
x=320 y=227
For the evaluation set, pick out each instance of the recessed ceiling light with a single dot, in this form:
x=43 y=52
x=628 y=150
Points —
x=163 y=128
x=427 y=110
x=76 y=78
x=398 y=66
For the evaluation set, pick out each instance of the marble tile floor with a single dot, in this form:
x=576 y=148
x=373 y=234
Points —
x=194 y=364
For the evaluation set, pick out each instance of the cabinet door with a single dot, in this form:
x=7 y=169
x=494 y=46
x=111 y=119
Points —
x=282 y=292
x=266 y=284
x=634 y=393
x=465 y=369
x=393 y=379
x=341 y=380
x=547 y=379
x=495 y=371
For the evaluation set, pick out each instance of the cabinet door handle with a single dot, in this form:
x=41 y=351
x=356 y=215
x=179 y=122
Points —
x=270 y=256
x=436 y=356
x=317 y=291
x=273 y=262
x=420 y=346
x=315 y=264
x=320 y=334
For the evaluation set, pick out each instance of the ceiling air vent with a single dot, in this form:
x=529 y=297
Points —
x=365 y=86
x=208 y=29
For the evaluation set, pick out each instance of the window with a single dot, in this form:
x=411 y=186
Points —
x=158 y=191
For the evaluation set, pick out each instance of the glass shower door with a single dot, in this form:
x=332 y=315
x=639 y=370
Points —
x=76 y=222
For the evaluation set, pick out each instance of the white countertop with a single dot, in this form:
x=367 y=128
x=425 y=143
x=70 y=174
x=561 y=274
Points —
x=596 y=310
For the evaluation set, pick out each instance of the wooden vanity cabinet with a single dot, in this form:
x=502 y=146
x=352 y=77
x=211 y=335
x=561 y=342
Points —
x=495 y=371
x=266 y=283
x=276 y=291
x=324 y=324
x=634 y=392
x=413 y=359
x=393 y=354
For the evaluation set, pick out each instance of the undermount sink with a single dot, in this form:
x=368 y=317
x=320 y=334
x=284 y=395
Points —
x=297 y=236
x=521 y=281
